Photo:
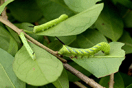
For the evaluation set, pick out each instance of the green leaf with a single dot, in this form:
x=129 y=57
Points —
x=101 y=65
x=126 y=78
x=4 y=5
x=126 y=38
x=130 y=86
x=80 y=5
x=7 y=42
x=110 y=23
x=118 y=81
x=55 y=45
x=8 y=78
x=127 y=19
x=62 y=81
x=89 y=38
x=67 y=39
x=127 y=3
x=52 y=9
x=25 y=11
x=45 y=69
x=14 y=35
x=75 y=24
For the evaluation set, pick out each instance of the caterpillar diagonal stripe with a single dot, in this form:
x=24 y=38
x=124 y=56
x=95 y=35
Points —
x=69 y=51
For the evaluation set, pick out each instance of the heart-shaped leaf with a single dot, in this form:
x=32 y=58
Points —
x=102 y=65
x=75 y=24
x=45 y=69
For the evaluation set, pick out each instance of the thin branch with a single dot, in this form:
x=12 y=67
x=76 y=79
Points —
x=111 y=83
x=17 y=30
x=84 y=78
x=9 y=24
x=79 y=84
x=44 y=47
x=4 y=15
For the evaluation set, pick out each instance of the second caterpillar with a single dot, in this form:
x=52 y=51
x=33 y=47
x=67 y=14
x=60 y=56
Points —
x=75 y=52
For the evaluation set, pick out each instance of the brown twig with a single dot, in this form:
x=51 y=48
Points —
x=111 y=83
x=46 y=48
x=84 y=78
x=79 y=84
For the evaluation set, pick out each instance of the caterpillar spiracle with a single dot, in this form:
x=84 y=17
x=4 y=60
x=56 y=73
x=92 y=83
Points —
x=28 y=48
x=74 y=52
x=49 y=24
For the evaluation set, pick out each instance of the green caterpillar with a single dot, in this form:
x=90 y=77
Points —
x=49 y=24
x=28 y=48
x=74 y=52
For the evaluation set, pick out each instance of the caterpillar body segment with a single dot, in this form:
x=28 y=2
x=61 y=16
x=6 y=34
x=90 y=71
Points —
x=69 y=51
x=28 y=48
x=49 y=24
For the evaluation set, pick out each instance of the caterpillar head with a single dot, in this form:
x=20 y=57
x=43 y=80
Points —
x=105 y=48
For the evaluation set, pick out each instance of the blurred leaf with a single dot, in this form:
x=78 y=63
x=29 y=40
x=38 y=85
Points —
x=25 y=10
x=126 y=78
x=14 y=35
x=126 y=38
x=52 y=9
x=62 y=81
x=45 y=69
x=101 y=65
x=89 y=38
x=130 y=86
x=75 y=43
x=74 y=78
x=75 y=24
x=127 y=3
x=110 y=23
x=118 y=81
x=48 y=86
x=8 y=78
x=128 y=19
x=2 y=7
x=67 y=39
x=7 y=42
x=29 y=86
x=55 y=45
x=80 y=5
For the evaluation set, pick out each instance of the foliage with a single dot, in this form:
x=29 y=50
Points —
x=89 y=22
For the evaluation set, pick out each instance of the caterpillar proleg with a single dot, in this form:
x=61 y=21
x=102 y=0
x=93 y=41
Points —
x=69 y=51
